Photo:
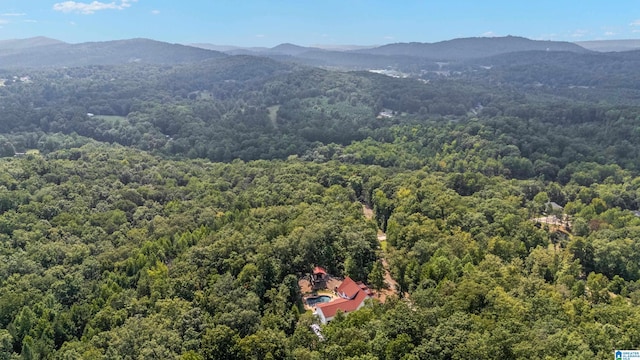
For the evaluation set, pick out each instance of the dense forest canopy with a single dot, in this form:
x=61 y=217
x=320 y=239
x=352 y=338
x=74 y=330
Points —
x=168 y=211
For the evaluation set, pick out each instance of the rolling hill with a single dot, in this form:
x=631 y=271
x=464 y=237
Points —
x=401 y=56
x=610 y=45
x=27 y=53
x=20 y=44
x=410 y=57
x=470 y=48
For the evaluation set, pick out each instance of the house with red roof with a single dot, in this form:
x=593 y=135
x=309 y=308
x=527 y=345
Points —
x=351 y=298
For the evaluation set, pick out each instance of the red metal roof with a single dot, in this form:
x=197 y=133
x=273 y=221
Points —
x=331 y=308
x=356 y=294
x=349 y=288
x=319 y=271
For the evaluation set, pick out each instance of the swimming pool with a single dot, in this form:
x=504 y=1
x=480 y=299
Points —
x=312 y=301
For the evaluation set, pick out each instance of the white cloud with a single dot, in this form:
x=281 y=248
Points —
x=635 y=23
x=90 y=8
x=489 y=34
x=261 y=36
x=3 y=21
x=388 y=37
x=155 y=12
x=30 y=21
x=609 y=33
x=13 y=14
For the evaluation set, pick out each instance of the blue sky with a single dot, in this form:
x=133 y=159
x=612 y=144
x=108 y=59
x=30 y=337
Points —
x=312 y=22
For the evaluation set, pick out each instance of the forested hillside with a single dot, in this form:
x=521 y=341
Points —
x=168 y=211
x=42 y=52
x=473 y=48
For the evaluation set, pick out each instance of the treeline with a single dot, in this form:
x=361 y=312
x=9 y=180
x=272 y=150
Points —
x=584 y=153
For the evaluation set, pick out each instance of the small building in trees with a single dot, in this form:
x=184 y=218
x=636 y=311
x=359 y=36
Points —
x=553 y=208
x=319 y=278
x=351 y=298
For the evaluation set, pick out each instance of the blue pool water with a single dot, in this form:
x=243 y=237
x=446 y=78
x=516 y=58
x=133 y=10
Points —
x=318 y=299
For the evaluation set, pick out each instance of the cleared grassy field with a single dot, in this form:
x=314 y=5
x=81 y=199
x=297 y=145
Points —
x=273 y=115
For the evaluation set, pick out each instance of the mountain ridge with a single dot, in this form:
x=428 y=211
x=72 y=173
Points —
x=110 y=52
x=454 y=49
x=611 y=45
x=46 y=52
x=28 y=42
x=469 y=48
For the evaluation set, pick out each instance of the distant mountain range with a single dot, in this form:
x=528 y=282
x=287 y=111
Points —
x=456 y=49
x=403 y=55
x=46 y=52
x=610 y=45
x=20 y=44
x=472 y=48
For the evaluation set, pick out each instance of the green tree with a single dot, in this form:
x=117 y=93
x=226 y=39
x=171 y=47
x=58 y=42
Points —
x=376 y=276
x=220 y=343
x=264 y=344
x=597 y=288
x=6 y=345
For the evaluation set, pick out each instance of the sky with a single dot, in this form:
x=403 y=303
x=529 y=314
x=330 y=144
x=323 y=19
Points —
x=318 y=22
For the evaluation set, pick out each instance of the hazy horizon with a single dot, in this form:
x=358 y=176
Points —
x=332 y=47
x=255 y=23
